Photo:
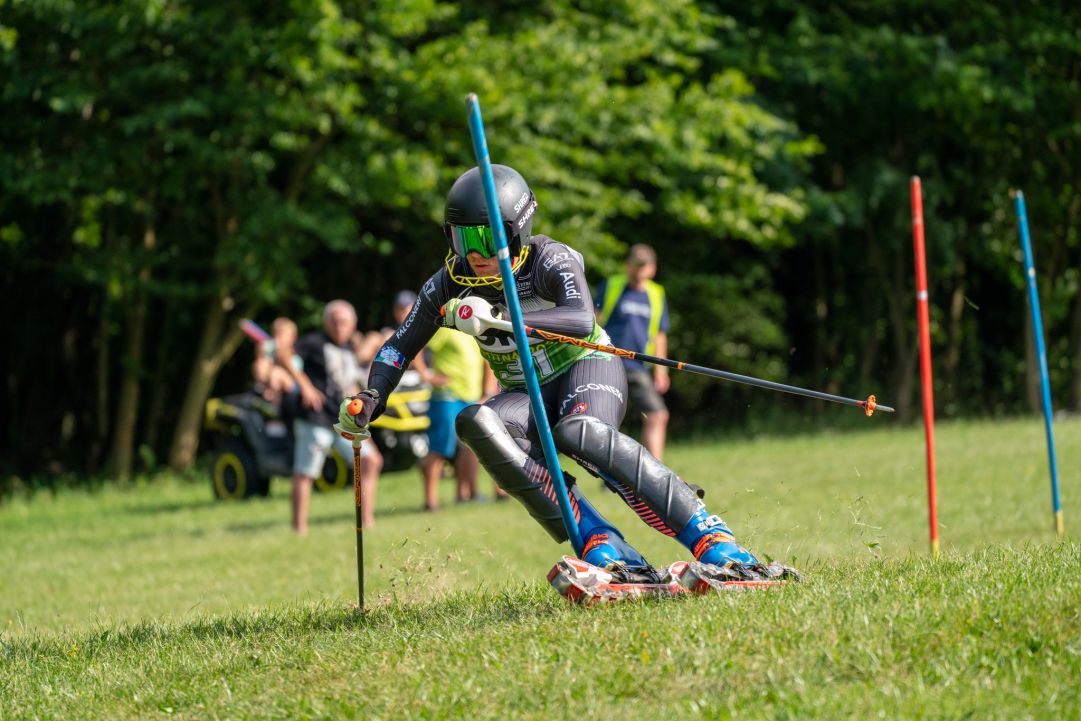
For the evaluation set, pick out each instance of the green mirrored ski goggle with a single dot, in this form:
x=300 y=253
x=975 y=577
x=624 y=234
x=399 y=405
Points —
x=467 y=239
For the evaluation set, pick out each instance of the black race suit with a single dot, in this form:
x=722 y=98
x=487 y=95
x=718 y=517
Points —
x=577 y=386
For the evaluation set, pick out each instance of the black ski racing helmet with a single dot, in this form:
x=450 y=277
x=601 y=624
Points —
x=465 y=218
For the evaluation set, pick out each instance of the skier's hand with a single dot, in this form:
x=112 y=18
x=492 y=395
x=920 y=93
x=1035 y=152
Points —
x=471 y=315
x=449 y=312
x=354 y=414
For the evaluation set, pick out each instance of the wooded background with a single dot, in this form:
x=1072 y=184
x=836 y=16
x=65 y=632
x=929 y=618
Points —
x=170 y=167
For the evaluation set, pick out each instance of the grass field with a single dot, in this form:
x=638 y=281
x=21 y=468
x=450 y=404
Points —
x=155 y=601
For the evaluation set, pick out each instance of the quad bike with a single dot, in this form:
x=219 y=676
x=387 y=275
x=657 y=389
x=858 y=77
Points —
x=251 y=440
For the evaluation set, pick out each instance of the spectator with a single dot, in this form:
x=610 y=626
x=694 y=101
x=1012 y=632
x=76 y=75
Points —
x=459 y=377
x=330 y=372
x=634 y=311
x=366 y=345
x=277 y=382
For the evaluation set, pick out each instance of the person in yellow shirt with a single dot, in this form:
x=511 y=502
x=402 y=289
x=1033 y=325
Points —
x=459 y=377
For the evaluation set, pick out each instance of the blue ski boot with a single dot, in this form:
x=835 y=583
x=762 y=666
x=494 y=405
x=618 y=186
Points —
x=605 y=547
x=711 y=541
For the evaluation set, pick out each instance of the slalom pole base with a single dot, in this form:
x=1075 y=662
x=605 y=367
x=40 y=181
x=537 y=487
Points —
x=934 y=549
x=1060 y=523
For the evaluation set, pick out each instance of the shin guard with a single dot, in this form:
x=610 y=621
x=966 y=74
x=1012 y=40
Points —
x=482 y=430
x=660 y=497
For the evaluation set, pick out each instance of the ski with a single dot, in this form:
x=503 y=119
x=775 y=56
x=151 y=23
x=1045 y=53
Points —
x=587 y=585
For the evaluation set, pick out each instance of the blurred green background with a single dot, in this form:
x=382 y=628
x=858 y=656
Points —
x=169 y=167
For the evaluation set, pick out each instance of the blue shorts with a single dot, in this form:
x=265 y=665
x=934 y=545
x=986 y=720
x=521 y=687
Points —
x=442 y=440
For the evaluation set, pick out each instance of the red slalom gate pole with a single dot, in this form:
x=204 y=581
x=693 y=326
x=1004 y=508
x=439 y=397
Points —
x=923 y=316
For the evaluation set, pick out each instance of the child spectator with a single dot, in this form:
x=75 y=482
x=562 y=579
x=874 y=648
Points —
x=277 y=382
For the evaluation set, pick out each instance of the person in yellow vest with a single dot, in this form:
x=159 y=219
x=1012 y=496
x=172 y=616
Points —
x=633 y=310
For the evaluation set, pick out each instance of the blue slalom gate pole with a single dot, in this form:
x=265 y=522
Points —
x=514 y=308
x=1041 y=352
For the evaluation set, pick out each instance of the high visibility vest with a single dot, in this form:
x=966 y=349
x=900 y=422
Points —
x=654 y=292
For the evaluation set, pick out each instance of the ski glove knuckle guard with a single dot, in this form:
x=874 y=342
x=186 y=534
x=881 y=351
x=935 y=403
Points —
x=354 y=423
x=470 y=315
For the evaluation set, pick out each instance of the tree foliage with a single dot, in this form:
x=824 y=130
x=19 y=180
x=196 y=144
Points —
x=975 y=98
x=173 y=165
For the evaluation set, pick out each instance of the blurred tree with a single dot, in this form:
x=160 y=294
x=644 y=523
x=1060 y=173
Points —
x=190 y=163
x=974 y=97
x=624 y=136
x=173 y=165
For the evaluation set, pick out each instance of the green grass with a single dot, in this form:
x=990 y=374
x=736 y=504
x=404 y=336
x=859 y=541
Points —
x=156 y=601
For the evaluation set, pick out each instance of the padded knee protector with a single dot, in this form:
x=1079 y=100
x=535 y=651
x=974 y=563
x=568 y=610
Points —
x=482 y=430
x=662 y=499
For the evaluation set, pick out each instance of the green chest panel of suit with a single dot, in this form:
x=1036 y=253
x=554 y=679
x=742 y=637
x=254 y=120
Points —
x=550 y=360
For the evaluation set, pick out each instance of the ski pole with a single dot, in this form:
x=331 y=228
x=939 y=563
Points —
x=869 y=406
x=355 y=407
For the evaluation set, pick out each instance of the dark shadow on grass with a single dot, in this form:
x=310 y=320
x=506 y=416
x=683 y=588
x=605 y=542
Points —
x=476 y=610
x=388 y=513
x=344 y=517
x=256 y=526
x=170 y=506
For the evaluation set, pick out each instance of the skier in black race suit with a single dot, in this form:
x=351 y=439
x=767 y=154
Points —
x=584 y=391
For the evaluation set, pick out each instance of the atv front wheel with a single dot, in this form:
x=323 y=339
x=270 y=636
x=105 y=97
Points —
x=234 y=474
x=337 y=473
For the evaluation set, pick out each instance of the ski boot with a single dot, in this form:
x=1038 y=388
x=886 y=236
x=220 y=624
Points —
x=606 y=548
x=720 y=562
x=610 y=569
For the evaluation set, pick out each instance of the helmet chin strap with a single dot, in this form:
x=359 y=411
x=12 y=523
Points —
x=472 y=281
